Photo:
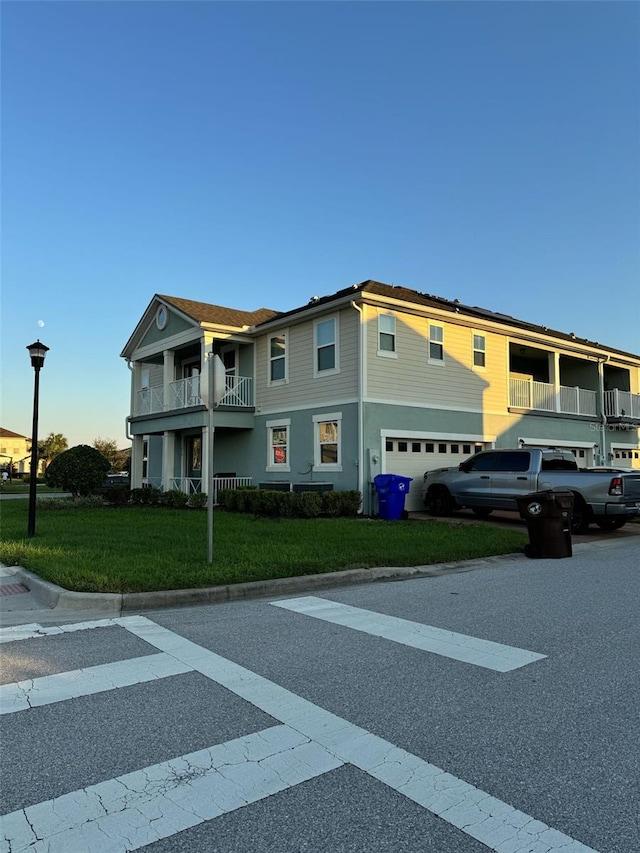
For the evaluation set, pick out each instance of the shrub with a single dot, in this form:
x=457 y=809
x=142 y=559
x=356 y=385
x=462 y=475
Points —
x=80 y=470
x=344 y=504
x=118 y=495
x=197 y=500
x=306 y=504
x=174 y=499
x=146 y=497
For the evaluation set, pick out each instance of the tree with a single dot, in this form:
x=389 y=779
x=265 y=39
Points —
x=50 y=447
x=109 y=449
x=81 y=471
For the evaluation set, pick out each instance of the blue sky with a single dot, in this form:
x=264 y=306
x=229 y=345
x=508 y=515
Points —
x=255 y=154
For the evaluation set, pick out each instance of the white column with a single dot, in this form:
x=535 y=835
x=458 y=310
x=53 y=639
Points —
x=136 y=461
x=554 y=377
x=168 y=470
x=168 y=375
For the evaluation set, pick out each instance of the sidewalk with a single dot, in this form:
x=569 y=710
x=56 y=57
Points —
x=27 y=598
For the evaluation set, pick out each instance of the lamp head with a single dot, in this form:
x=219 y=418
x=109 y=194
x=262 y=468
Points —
x=38 y=352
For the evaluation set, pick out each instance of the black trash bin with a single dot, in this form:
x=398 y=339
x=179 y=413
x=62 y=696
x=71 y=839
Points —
x=392 y=490
x=548 y=517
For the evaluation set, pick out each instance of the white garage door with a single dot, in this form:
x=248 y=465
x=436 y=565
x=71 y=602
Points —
x=412 y=457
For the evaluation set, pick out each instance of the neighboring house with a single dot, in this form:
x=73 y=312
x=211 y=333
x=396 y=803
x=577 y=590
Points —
x=15 y=451
x=372 y=379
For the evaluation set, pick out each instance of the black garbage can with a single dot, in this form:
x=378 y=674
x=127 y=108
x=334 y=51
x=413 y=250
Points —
x=548 y=517
x=392 y=490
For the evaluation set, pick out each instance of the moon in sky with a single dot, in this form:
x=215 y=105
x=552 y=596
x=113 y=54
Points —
x=41 y=323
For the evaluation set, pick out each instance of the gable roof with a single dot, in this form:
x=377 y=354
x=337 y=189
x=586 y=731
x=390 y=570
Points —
x=6 y=433
x=218 y=315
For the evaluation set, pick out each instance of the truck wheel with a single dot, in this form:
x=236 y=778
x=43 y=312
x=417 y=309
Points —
x=611 y=523
x=581 y=516
x=481 y=511
x=440 y=503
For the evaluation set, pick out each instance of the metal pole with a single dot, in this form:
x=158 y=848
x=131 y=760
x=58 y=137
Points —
x=31 y=526
x=210 y=462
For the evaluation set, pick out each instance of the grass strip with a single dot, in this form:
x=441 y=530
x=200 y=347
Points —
x=140 y=550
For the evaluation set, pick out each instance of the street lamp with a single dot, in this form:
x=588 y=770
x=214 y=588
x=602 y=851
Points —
x=37 y=352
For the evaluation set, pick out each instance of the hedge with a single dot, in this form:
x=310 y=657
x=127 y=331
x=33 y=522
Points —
x=278 y=504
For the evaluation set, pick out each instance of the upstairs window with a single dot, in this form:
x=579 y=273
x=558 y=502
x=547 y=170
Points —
x=479 y=350
x=326 y=344
x=386 y=334
x=436 y=343
x=278 y=358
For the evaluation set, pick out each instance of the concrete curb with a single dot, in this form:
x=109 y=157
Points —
x=57 y=598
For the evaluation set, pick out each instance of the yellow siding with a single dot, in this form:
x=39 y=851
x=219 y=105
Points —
x=303 y=389
x=456 y=384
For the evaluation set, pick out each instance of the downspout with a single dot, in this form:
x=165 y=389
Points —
x=603 y=416
x=360 y=461
x=127 y=420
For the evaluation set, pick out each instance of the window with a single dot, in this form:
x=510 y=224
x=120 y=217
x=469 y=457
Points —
x=455 y=448
x=428 y=447
x=402 y=446
x=466 y=448
x=442 y=448
x=386 y=334
x=328 y=453
x=479 y=350
x=388 y=445
x=436 y=343
x=278 y=445
x=326 y=346
x=416 y=447
x=278 y=358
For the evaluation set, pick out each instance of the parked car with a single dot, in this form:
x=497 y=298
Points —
x=493 y=479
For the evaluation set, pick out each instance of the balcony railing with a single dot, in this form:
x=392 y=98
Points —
x=621 y=404
x=542 y=396
x=184 y=393
x=192 y=485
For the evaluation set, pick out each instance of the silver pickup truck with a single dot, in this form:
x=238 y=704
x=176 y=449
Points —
x=493 y=479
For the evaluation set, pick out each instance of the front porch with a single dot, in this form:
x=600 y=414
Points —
x=193 y=485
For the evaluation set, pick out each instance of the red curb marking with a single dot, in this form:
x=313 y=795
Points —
x=12 y=588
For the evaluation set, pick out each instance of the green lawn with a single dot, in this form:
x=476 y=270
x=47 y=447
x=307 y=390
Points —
x=136 y=550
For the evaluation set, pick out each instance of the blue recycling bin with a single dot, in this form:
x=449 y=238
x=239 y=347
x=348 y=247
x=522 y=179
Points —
x=391 y=490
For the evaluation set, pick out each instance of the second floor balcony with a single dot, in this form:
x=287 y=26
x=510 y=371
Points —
x=185 y=393
x=544 y=397
x=622 y=405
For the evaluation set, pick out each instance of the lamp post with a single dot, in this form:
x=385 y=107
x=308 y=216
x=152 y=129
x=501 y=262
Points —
x=37 y=352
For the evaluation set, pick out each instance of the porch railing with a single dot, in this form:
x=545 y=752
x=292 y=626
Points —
x=192 y=485
x=541 y=396
x=186 y=392
x=621 y=404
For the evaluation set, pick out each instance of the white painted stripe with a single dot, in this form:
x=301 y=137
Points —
x=29 y=632
x=139 y=808
x=460 y=647
x=32 y=693
x=496 y=824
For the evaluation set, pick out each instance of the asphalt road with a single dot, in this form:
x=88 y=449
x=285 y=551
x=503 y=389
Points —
x=368 y=719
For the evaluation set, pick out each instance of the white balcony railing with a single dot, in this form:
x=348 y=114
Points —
x=184 y=393
x=541 y=396
x=621 y=404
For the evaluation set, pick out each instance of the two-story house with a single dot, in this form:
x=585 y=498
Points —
x=371 y=379
x=15 y=452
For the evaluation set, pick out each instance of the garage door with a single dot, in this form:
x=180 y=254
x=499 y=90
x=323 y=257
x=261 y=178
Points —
x=411 y=458
x=584 y=456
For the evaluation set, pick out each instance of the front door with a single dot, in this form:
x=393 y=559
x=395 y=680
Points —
x=193 y=463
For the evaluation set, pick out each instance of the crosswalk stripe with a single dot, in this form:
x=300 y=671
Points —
x=499 y=826
x=328 y=742
x=48 y=689
x=139 y=808
x=460 y=647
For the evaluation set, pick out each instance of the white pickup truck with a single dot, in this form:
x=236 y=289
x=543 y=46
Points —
x=493 y=479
